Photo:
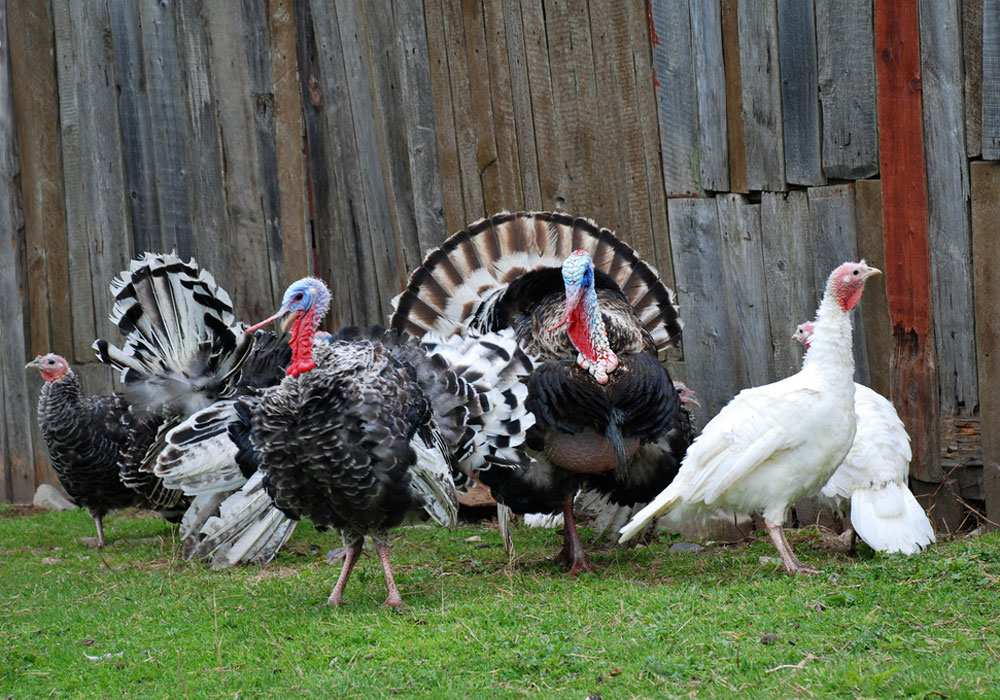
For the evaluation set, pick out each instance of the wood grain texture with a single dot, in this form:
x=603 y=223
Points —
x=36 y=120
x=800 y=92
x=444 y=116
x=735 y=132
x=480 y=108
x=835 y=240
x=845 y=50
x=761 y=82
x=745 y=289
x=948 y=225
x=790 y=277
x=567 y=106
x=904 y=217
x=296 y=239
x=96 y=214
x=527 y=152
x=986 y=249
x=676 y=96
x=972 y=57
x=553 y=186
x=17 y=470
x=708 y=342
x=991 y=80
x=871 y=247
x=710 y=84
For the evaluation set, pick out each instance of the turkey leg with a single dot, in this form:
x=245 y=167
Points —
x=572 y=556
x=350 y=559
x=792 y=564
x=99 y=519
x=394 y=600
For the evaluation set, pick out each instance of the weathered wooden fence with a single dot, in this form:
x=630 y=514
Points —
x=743 y=146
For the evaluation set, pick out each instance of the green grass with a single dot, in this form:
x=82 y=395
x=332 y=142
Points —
x=650 y=623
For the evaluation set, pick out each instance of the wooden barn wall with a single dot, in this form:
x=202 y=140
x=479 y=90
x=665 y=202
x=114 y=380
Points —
x=743 y=146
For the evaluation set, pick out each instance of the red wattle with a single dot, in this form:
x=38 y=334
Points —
x=303 y=331
x=579 y=333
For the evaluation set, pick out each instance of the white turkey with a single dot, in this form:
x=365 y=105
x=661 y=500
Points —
x=184 y=354
x=369 y=424
x=593 y=318
x=773 y=444
x=85 y=437
x=871 y=482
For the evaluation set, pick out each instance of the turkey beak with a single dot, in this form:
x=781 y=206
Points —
x=289 y=320
x=284 y=324
x=871 y=272
x=34 y=363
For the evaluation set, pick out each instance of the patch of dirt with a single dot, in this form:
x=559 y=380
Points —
x=20 y=511
x=275 y=572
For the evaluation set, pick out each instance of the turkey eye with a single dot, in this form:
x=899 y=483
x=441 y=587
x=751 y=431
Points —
x=298 y=297
x=855 y=272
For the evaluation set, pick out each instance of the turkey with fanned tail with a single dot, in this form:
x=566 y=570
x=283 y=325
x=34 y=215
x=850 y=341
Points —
x=369 y=424
x=593 y=318
x=184 y=362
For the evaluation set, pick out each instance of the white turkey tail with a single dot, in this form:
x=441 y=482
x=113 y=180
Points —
x=461 y=282
x=249 y=529
x=889 y=519
x=181 y=338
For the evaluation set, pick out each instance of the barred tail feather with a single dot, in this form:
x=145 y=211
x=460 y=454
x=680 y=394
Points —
x=199 y=456
x=459 y=284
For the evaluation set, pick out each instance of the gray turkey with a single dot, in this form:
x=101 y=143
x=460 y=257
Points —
x=185 y=354
x=85 y=437
x=369 y=424
x=593 y=319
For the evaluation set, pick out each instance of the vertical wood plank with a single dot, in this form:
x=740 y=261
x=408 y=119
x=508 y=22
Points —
x=710 y=83
x=735 y=131
x=420 y=126
x=986 y=251
x=676 y=91
x=36 y=119
x=790 y=277
x=832 y=211
x=800 y=92
x=708 y=341
x=761 y=81
x=746 y=292
x=481 y=107
x=590 y=139
x=871 y=247
x=904 y=218
x=972 y=55
x=991 y=80
x=296 y=238
x=17 y=472
x=444 y=116
x=847 y=88
x=99 y=244
x=567 y=109
x=948 y=226
x=522 y=110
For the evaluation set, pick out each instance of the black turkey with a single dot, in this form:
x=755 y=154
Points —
x=369 y=425
x=184 y=354
x=593 y=318
x=85 y=437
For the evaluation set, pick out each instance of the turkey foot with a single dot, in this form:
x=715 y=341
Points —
x=394 y=600
x=792 y=564
x=350 y=559
x=572 y=556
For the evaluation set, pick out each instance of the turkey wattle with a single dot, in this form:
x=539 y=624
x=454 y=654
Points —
x=370 y=424
x=773 y=444
x=592 y=317
x=872 y=480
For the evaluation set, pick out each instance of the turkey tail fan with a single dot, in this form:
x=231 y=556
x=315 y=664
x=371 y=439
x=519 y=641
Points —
x=181 y=338
x=889 y=519
x=249 y=529
x=461 y=283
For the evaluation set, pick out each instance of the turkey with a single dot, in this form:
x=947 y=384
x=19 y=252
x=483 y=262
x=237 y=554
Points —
x=593 y=318
x=85 y=437
x=872 y=478
x=773 y=444
x=369 y=424
x=184 y=362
